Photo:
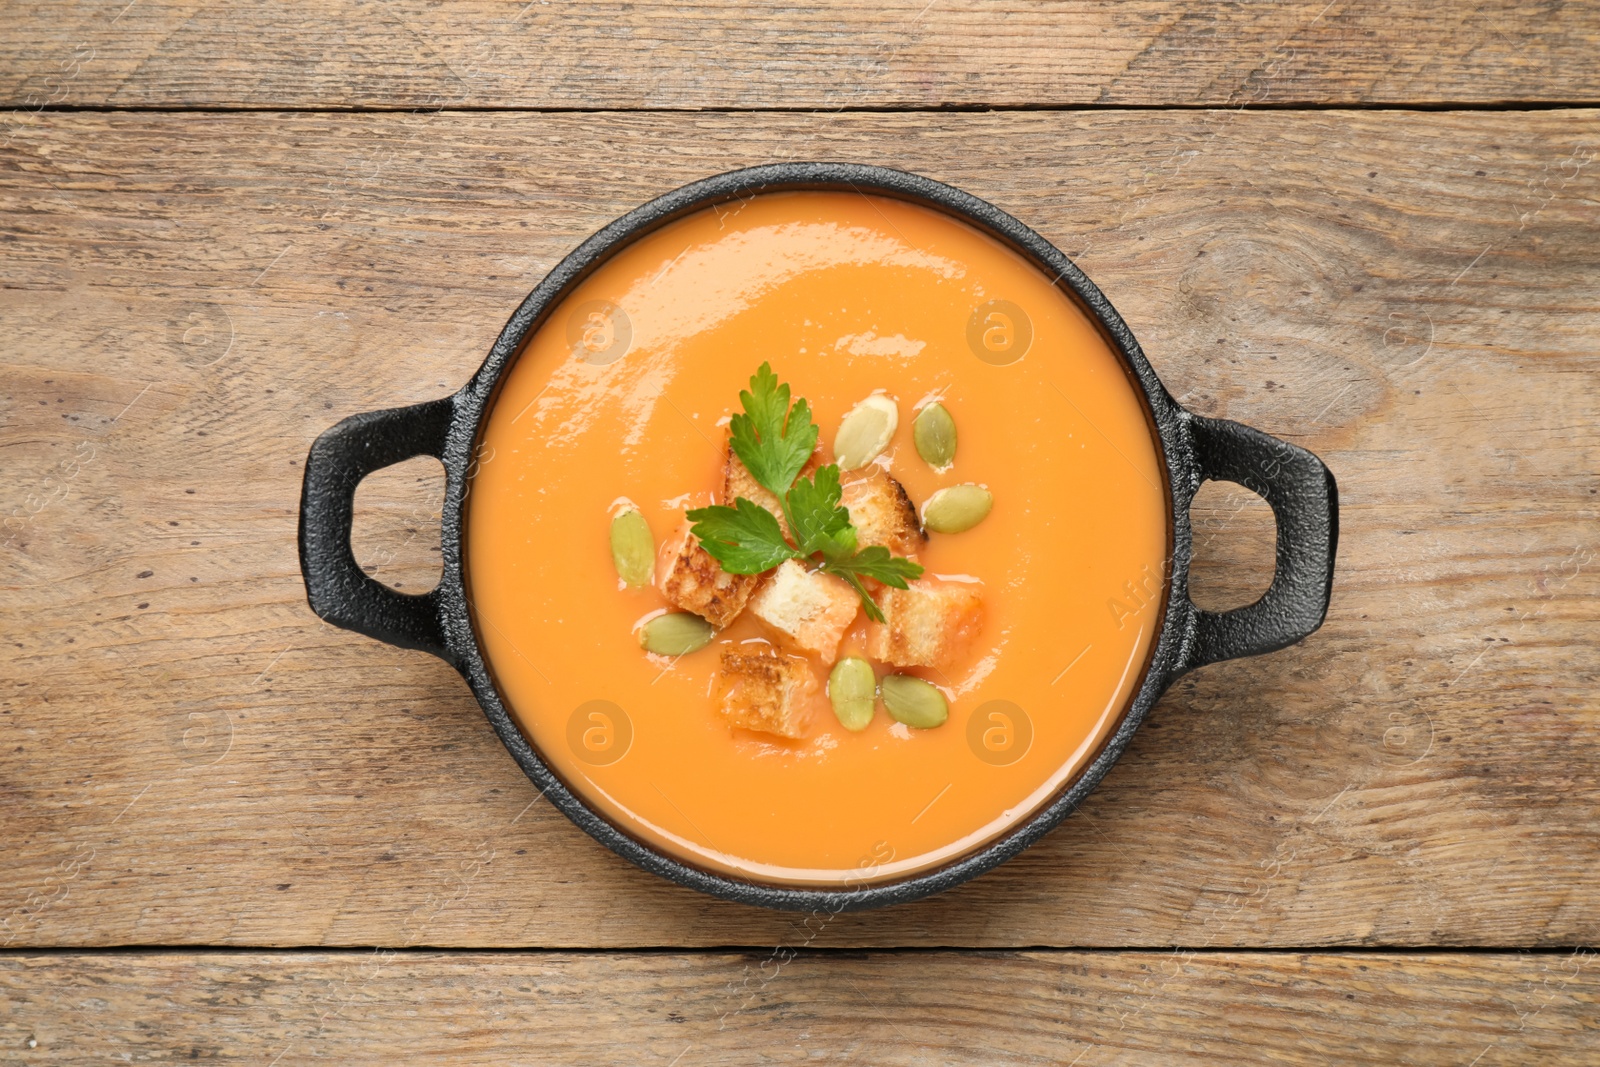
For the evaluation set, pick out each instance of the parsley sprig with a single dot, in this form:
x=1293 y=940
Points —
x=774 y=440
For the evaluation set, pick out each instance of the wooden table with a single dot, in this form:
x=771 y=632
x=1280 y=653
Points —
x=233 y=833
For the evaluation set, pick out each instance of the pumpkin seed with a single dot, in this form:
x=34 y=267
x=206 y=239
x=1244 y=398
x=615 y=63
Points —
x=633 y=549
x=865 y=432
x=933 y=431
x=915 y=702
x=853 y=688
x=676 y=634
x=957 y=508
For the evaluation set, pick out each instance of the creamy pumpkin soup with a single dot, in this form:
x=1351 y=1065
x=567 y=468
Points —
x=817 y=538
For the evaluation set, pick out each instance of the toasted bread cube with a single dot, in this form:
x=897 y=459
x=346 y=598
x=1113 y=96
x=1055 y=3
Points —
x=883 y=513
x=810 y=609
x=690 y=579
x=927 y=625
x=737 y=481
x=765 y=691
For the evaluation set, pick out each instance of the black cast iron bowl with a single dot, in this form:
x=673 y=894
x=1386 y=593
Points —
x=1195 y=449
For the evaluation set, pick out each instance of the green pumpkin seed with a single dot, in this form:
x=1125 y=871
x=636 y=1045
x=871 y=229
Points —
x=677 y=634
x=914 y=702
x=633 y=549
x=957 y=508
x=853 y=688
x=933 y=431
x=865 y=432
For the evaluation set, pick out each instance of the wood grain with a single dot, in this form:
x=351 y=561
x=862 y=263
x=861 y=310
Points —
x=1088 y=1009
x=714 y=53
x=187 y=756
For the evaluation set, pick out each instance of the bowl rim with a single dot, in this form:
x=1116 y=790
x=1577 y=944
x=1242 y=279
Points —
x=1175 y=633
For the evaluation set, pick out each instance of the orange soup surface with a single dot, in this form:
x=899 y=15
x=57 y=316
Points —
x=622 y=398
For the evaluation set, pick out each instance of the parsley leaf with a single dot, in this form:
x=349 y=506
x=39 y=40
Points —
x=868 y=605
x=745 y=539
x=772 y=440
x=877 y=563
x=775 y=441
x=816 y=518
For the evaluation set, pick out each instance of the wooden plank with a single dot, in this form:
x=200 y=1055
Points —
x=1085 y=1008
x=713 y=53
x=188 y=756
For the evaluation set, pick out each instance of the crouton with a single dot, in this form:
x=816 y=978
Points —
x=692 y=580
x=882 y=513
x=809 y=609
x=765 y=691
x=927 y=625
x=737 y=481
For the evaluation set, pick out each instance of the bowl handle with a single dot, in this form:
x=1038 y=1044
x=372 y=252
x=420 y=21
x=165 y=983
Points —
x=1305 y=503
x=339 y=591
